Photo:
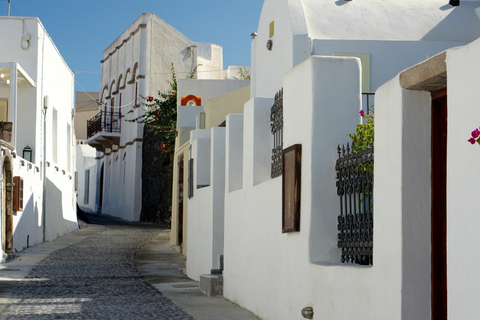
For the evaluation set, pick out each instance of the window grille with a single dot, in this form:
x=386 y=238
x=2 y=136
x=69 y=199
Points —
x=276 y=125
x=355 y=222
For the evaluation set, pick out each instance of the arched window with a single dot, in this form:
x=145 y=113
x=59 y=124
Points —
x=104 y=95
x=112 y=89
x=119 y=83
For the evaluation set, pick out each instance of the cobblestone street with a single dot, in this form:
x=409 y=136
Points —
x=96 y=278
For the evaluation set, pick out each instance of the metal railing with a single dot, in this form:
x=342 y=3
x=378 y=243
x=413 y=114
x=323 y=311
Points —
x=104 y=121
x=368 y=101
x=276 y=126
x=355 y=222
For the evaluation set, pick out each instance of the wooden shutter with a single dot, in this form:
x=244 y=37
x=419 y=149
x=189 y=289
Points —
x=18 y=194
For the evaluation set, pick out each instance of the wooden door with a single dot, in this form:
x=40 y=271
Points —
x=180 y=202
x=439 y=208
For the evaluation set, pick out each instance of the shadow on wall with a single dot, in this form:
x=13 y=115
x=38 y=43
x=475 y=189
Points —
x=451 y=27
x=58 y=220
x=28 y=231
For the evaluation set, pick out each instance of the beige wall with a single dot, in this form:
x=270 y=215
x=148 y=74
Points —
x=85 y=109
x=181 y=151
x=217 y=109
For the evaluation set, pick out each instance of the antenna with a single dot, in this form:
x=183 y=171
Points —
x=9 y=8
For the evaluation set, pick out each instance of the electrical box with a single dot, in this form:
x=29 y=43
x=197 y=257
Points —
x=18 y=194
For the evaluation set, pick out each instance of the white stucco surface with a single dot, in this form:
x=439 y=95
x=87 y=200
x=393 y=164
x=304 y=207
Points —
x=139 y=64
x=41 y=61
x=206 y=214
x=463 y=68
x=432 y=20
x=318 y=111
x=395 y=34
x=85 y=156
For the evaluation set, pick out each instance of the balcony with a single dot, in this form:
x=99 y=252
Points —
x=103 y=130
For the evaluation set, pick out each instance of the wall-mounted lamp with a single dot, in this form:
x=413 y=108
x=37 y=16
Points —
x=27 y=153
x=454 y=3
x=254 y=35
x=269 y=44
x=307 y=313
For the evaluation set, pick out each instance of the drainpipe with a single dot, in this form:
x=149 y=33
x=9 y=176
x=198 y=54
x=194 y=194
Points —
x=44 y=202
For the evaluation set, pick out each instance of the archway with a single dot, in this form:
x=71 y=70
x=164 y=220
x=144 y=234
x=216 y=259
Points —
x=7 y=207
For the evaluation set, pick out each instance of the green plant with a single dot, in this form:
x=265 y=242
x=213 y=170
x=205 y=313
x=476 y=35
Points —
x=161 y=116
x=363 y=138
x=243 y=74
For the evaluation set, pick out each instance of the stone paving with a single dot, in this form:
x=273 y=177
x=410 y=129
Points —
x=93 y=279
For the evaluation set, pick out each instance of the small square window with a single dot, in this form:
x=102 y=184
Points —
x=272 y=29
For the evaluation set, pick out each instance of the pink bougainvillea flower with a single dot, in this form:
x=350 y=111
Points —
x=475 y=134
x=362 y=113
x=472 y=141
x=149 y=98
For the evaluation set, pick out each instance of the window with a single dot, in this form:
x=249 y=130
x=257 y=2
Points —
x=87 y=187
x=276 y=125
x=3 y=110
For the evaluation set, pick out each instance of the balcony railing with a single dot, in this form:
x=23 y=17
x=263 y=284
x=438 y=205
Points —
x=368 y=101
x=104 y=121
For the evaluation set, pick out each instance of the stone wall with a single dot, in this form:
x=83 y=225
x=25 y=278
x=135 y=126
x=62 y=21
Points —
x=157 y=173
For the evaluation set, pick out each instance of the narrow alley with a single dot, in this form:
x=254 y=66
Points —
x=98 y=278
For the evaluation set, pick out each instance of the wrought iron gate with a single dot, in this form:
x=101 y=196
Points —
x=355 y=222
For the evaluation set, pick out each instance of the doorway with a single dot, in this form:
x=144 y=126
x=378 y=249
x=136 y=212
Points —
x=100 y=200
x=439 y=204
x=7 y=207
x=180 y=202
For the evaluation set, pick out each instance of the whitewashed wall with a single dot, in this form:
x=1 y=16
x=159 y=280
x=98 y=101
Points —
x=320 y=27
x=402 y=140
x=275 y=275
x=463 y=72
x=155 y=46
x=387 y=58
x=319 y=108
x=44 y=64
x=86 y=161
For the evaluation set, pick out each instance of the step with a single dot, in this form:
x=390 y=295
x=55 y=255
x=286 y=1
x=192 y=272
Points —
x=211 y=284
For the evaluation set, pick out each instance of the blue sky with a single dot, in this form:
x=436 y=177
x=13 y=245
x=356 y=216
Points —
x=82 y=29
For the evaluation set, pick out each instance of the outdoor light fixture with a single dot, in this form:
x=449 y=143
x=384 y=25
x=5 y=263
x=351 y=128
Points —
x=27 y=153
x=307 y=313
x=269 y=44
x=454 y=3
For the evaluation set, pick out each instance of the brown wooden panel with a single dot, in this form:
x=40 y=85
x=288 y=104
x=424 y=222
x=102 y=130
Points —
x=18 y=194
x=291 y=188
x=439 y=208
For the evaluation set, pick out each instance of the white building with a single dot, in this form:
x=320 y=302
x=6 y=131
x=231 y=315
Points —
x=138 y=63
x=324 y=54
x=86 y=107
x=34 y=78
